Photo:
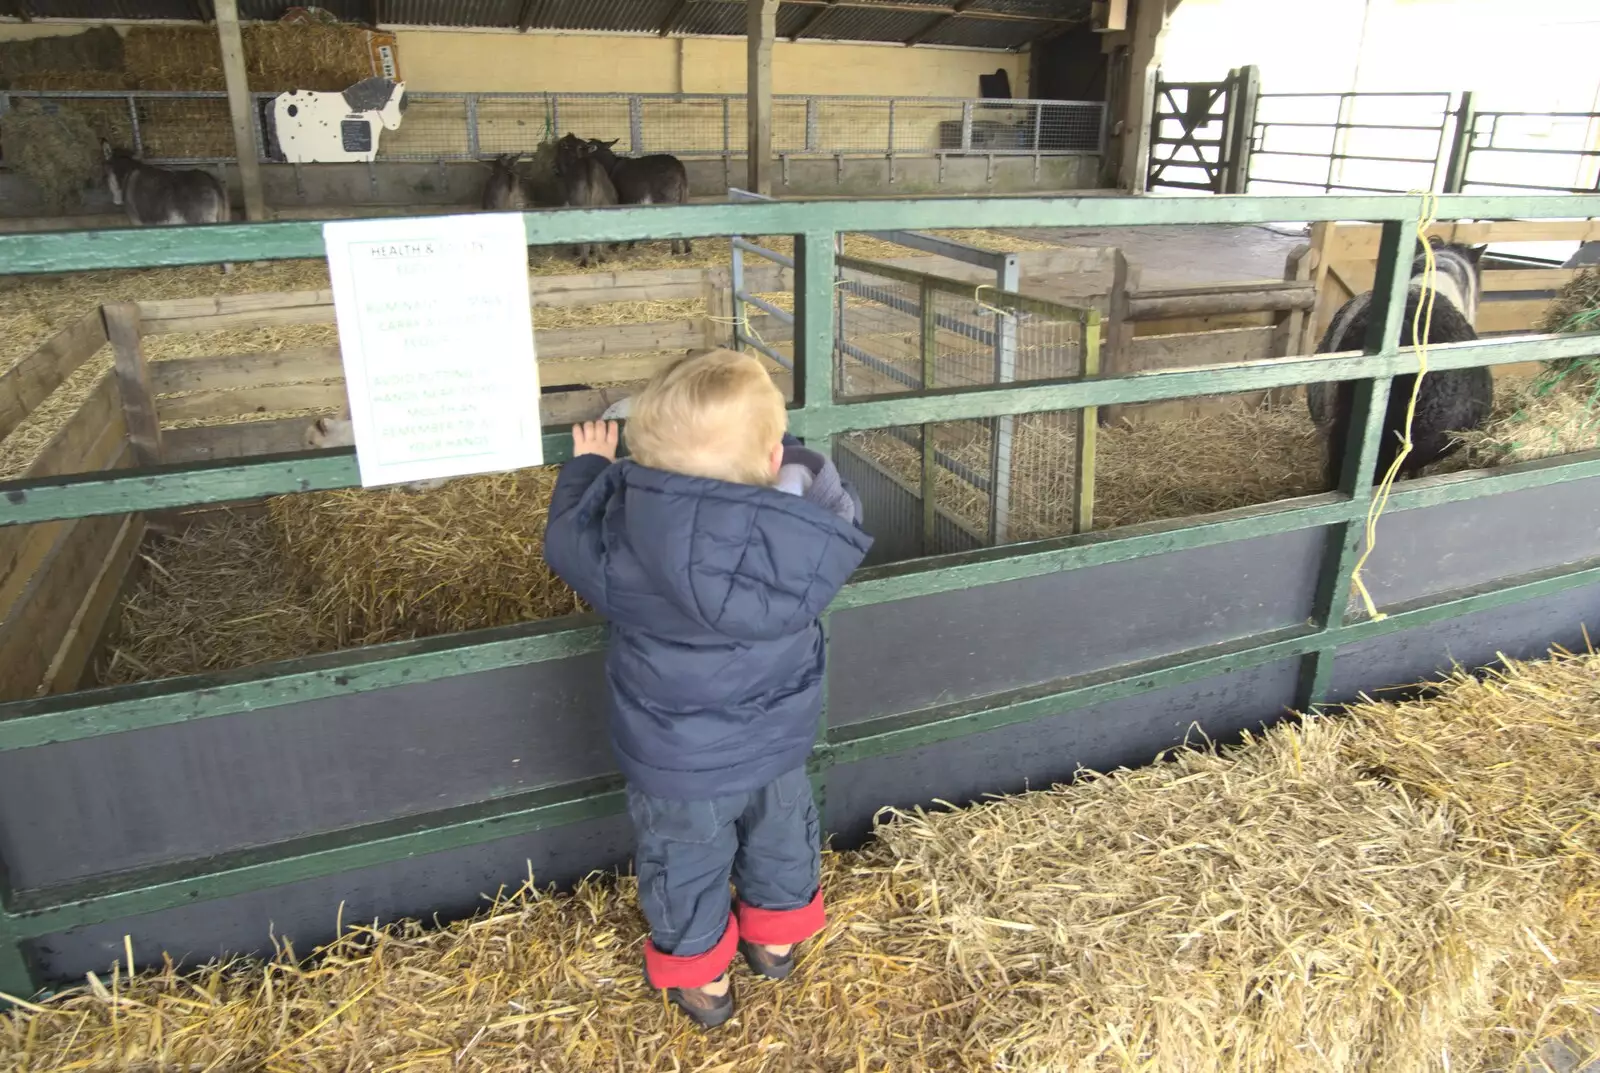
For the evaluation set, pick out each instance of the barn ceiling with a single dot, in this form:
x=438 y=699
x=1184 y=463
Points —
x=994 y=24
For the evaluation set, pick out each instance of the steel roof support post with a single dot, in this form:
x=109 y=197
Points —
x=761 y=26
x=244 y=138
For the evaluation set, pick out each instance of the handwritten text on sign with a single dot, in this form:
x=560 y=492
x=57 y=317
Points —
x=437 y=337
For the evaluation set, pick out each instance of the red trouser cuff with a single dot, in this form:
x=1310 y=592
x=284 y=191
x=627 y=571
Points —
x=775 y=927
x=697 y=970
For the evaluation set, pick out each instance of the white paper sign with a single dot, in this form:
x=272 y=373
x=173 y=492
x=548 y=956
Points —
x=437 y=334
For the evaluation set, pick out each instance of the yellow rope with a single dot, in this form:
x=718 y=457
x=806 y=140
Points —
x=1421 y=324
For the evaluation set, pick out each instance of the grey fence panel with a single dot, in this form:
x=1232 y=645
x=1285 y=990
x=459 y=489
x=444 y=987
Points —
x=194 y=127
x=1034 y=755
x=957 y=645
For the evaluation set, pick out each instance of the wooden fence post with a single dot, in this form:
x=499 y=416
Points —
x=133 y=381
x=719 y=308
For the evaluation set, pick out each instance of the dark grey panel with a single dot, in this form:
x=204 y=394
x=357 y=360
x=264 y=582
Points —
x=194 y=789
x=1458 y=545
x=1521 y=631
x=892 y=513
x=1124 y=733
x=449 y=885
x=900 y=656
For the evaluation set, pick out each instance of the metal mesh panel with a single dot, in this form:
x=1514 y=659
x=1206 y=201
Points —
x=195 y=127
x=972 y=482
x=976 y=337
x=1034 y=457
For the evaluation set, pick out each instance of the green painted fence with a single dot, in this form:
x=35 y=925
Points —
x=816 y=417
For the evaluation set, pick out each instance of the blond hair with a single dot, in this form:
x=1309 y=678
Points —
x=714 y=414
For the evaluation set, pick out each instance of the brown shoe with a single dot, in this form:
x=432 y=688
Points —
x=764 y=962
x=704 y=1009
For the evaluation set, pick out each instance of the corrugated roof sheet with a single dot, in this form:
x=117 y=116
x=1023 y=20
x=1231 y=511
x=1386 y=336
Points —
x=865 y=24
x=988 y=33
x=115 y=9
x=863 y=20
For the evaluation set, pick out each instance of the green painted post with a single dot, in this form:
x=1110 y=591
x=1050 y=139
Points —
x=815 y=275
x=1371 y=406
x=927 y=345
x=15 y=978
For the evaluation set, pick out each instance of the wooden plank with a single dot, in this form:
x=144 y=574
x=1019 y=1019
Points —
x=65 y=451
x=718 y=325
x=1151 y=353
x=564 y=372
x=47 y=606
x=23 y=547
x=224 y=304
x=605 y=339
x=255 y=369
x=76 y=651
x=1528 y=279
x=265 y=318
x=1202 y=304
x=133 y=381
x=208 y=405
x=30 y=381
x=243 y=439
x=1514 y=316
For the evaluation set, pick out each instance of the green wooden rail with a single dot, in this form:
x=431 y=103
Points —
x=28 y=914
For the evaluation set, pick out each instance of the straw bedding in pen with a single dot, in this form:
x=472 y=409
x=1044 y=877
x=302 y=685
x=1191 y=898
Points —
x=1409 y=889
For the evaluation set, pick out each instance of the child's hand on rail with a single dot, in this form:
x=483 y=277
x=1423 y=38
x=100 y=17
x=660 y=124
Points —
x=595 y=438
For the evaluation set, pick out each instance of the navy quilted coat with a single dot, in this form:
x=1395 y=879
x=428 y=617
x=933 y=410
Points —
x=713 y=592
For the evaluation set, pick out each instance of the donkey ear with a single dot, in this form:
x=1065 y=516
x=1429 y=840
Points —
x=1435 y=241
x=1477 y=252
x=611 y=143
x=105 y=148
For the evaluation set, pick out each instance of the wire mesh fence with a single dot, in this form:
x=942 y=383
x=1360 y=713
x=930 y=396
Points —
x=956 y=485
x=195 y=127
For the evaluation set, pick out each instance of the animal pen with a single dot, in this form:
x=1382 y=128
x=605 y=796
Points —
x=203 y=813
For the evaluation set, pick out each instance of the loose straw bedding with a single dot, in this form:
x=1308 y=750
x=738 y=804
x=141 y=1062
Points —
x=1410 y=888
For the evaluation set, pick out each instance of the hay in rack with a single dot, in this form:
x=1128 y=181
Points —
x=54 y=147
x=1406 y=890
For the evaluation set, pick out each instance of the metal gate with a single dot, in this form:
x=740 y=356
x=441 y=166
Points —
x=1355 y=142
x=1200 y=133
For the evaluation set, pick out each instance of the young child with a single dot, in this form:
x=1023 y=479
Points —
x=712 y=552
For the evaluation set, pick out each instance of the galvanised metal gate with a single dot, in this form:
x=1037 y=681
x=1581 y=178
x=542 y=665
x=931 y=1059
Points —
x=1200 y=133
x=875 y=729
x=1351 y=142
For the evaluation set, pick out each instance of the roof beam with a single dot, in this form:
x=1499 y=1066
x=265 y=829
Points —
x=374 y=13
x=935 y=9
x=670 y=23
x=528 y=15
x=23 y=9
x=939 y=22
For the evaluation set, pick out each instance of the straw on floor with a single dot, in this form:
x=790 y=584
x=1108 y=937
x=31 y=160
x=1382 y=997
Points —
x=388 y=564
x=1410 y=889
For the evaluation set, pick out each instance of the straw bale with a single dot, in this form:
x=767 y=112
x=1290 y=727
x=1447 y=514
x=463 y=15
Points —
x=1386 y=892
x=93 y=53
x=55 y=147
x=386 y=564
x=278 y=57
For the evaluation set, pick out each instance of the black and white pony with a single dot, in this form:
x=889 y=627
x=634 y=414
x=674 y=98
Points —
x=1450 y=401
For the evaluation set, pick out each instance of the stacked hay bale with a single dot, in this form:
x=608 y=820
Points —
x=1558 y=411
x=1411 y=889
x=387 y=564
